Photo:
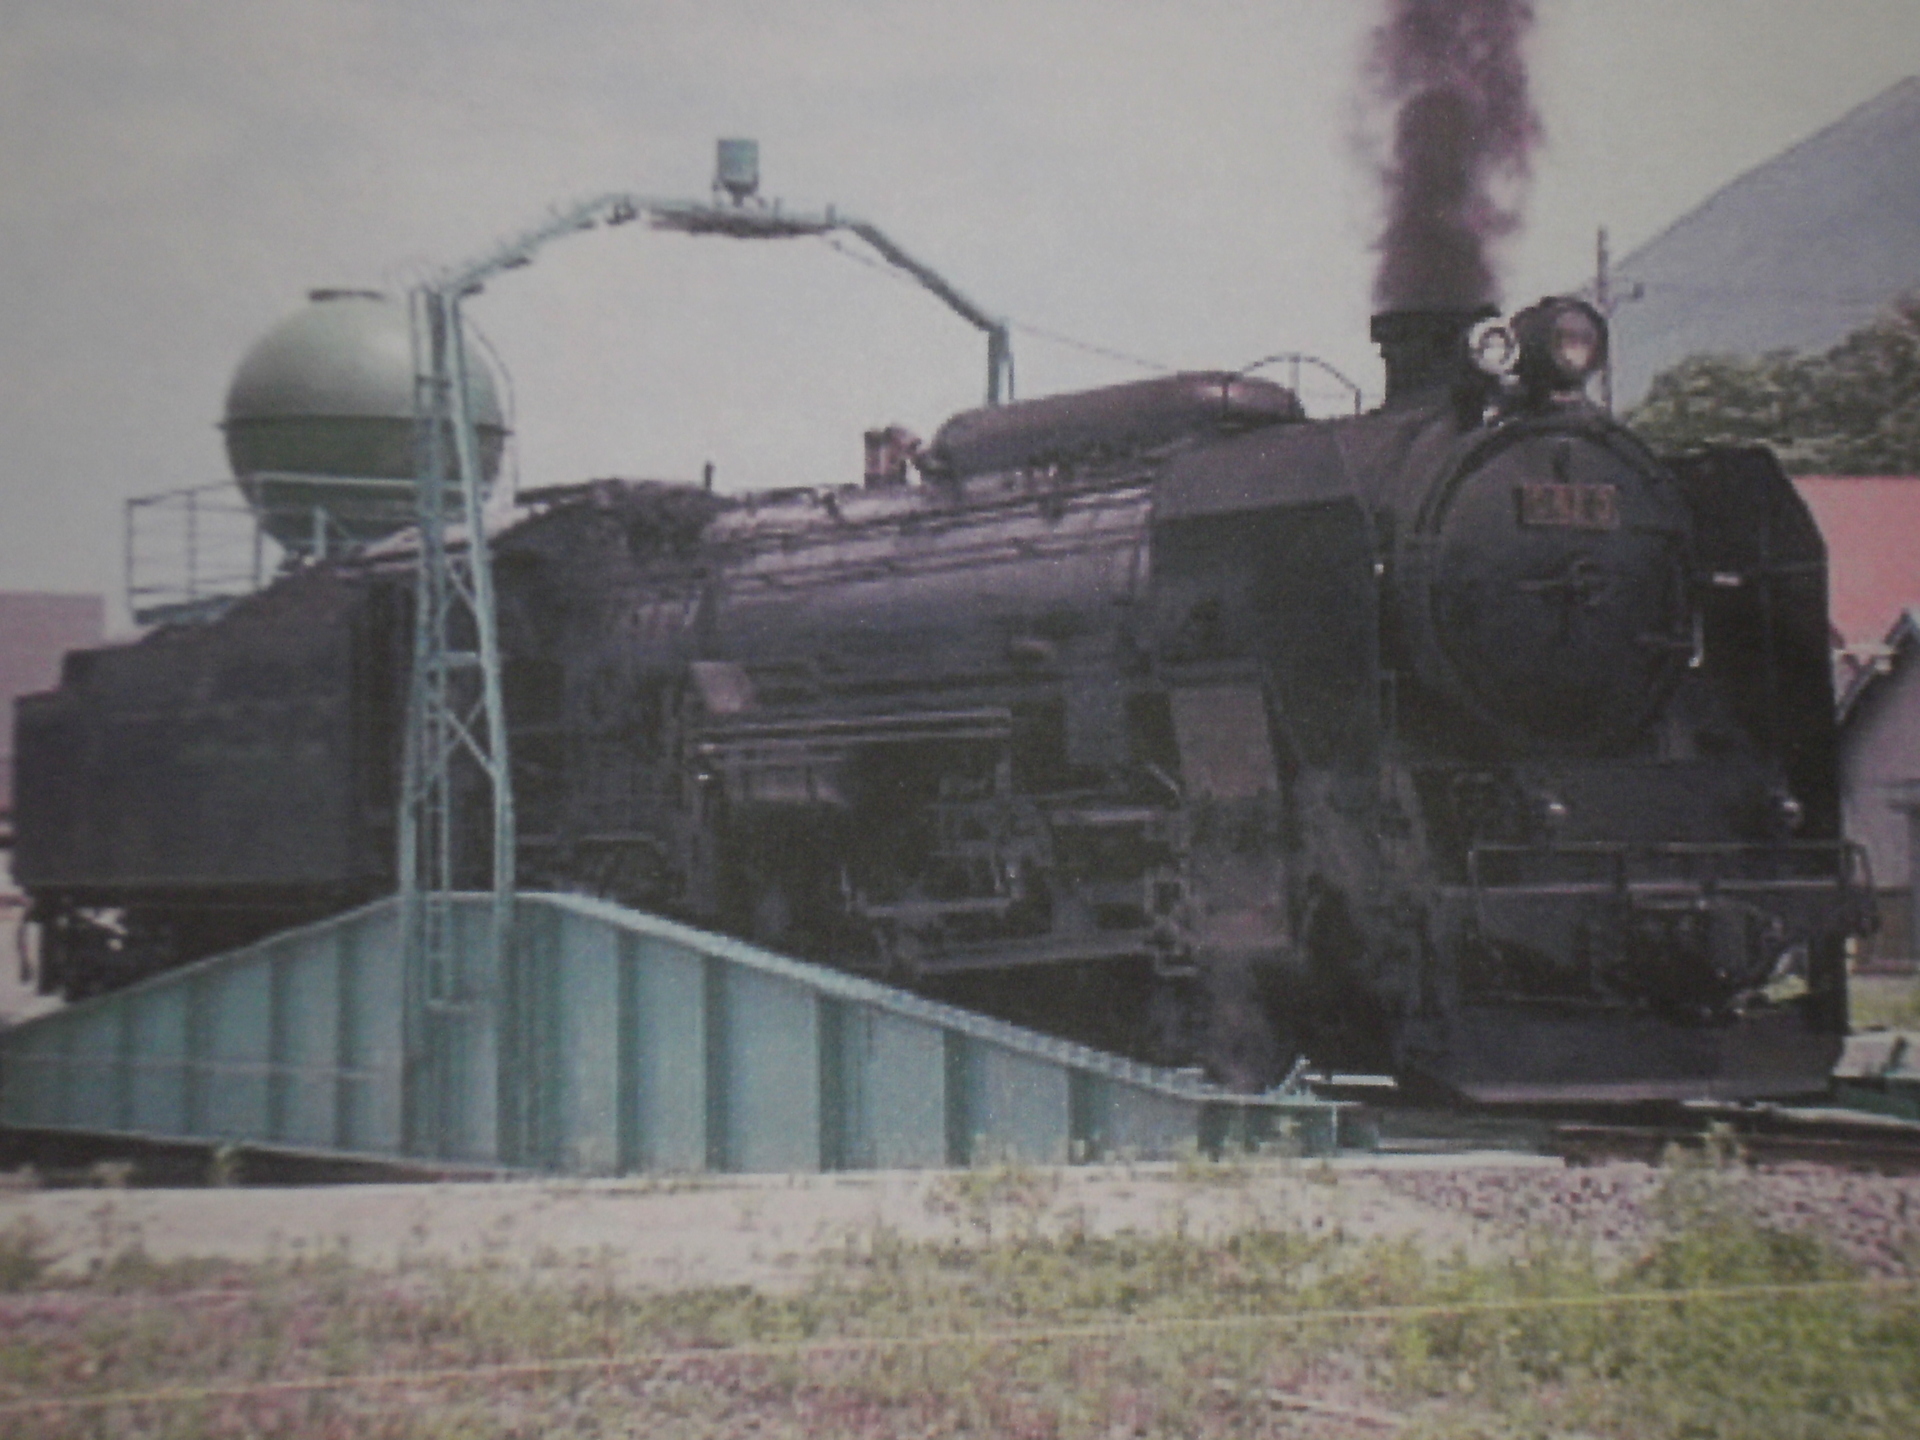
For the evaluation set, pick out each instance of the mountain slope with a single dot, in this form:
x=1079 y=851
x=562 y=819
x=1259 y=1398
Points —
x=1796 y=253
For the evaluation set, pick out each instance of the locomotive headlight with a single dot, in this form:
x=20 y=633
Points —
x=1563 y=343
x=1577 y=344
x=1492 y=348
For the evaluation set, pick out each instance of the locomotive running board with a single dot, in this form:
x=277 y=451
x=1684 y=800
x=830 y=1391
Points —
x=610 y=1042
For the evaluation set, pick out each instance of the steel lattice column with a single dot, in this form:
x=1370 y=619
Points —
x=455 y=720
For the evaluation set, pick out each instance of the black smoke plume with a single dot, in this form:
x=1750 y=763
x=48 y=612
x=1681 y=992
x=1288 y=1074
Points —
x=1452 y=75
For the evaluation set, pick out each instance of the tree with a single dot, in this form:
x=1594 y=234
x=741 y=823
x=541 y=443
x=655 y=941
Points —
x=1853 y=411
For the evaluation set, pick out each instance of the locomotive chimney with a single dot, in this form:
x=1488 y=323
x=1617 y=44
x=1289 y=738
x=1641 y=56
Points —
x=1425 y=350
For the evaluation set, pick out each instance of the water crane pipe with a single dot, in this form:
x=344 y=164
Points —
x=740 y=222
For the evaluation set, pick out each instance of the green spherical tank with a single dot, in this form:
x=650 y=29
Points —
x=319 y=422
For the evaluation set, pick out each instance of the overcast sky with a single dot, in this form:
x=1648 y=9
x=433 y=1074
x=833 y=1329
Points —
x=1177 y=180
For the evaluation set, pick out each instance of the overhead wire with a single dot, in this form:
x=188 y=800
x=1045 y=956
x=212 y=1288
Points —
x=1105 y=352
x=1039 y=332
x=1087 y=345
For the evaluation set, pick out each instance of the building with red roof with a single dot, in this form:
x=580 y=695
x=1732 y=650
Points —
x=1872 y=528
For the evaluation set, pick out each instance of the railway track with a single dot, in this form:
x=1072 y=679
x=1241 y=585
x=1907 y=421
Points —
x=1765 y=1135
x=1762 y=1134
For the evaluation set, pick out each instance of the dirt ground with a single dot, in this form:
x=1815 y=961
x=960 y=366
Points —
x=752 y=1230
x=768 y=1232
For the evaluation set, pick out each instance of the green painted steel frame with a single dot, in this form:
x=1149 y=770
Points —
x=605 y=1042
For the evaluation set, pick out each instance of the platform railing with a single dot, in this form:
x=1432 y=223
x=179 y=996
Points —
x=190 y=553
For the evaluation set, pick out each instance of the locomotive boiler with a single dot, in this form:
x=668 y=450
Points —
x=1465 y=738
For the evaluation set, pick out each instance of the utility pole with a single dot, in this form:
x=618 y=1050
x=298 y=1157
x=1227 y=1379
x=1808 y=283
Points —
x=1606 y=300
x=1603 y=302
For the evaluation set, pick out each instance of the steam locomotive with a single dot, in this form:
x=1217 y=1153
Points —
x=1464 y=738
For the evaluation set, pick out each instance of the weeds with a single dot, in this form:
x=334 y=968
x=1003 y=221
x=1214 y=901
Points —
x=1230 y=1169
x=24 y=1255
x=1022 y=1327
x=996 y=1199
x=1884 y=1002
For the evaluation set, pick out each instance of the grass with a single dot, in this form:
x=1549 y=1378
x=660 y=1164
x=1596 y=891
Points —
x=1537 y=1343
x=1885 y=1002
x=25 y=1256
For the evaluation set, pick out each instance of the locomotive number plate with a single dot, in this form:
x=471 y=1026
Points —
x=1580 y=507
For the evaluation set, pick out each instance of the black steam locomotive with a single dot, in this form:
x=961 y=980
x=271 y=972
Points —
x=1464 y=738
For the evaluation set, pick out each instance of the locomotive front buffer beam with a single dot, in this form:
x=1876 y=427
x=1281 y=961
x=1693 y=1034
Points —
x=602 y=1042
